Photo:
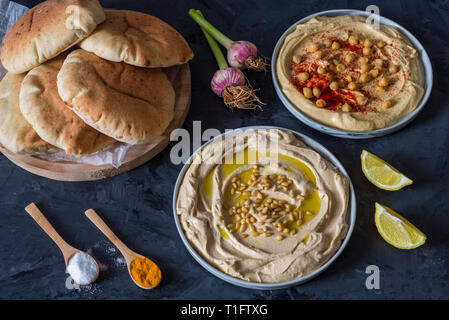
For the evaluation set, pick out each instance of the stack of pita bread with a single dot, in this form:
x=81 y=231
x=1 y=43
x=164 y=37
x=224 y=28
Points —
x=81 y=77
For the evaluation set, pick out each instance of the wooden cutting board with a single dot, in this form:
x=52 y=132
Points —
x=135 y=156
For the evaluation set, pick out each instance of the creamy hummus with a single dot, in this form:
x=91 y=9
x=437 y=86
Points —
x=262 y=215
x=381 y=64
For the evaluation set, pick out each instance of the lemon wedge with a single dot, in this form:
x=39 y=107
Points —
x=381 y=174
x=396 y=230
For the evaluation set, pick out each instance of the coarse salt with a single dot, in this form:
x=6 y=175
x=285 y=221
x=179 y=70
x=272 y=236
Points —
x=82 y=268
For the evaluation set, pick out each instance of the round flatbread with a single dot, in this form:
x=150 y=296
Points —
x=16 y=134
x=130 y=104
x=48 y=29
x=51 y=119
x=138 y=39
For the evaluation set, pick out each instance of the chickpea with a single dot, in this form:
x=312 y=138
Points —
x=386 y=104
x=374 y=73
x=383 y=82
x=367 y=51
x=334 y=86
x=307 y=93
x=352 y=86
x=341 y=67
x=362 y=100
x=367 y=43
x=365 y=67
x=349 y=79
x=346 y=108
x=335 y=45
x=381 y=44
x=316 y=92
x=349 y=58
x=327 y=43
x=378 y=62
x=313 y=47
x=296 y=59
x=363 y=60
x=319 y=54
x=353 y=40
x=320 y=103
x=393 y=69
x=303 y=76
x=378 y=68
x=365 y=77
x=321 y=70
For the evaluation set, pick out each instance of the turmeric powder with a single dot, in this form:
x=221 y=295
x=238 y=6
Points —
x=145 y=272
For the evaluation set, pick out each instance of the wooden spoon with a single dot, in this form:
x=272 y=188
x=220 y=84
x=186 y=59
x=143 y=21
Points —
x=67 y=250
x=127 y=253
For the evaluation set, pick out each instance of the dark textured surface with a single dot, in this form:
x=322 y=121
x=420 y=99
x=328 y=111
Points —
x=137 y=205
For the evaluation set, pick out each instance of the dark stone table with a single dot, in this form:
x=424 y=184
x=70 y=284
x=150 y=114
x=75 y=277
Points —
x=138 y=204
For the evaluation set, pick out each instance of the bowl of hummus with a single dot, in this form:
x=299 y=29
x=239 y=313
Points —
x=340 y=74
x=264 y=207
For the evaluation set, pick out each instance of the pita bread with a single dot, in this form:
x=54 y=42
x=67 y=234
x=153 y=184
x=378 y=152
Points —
x=138 y=39
x=130 y=104
x=48 y=29
x=16 y=134
x=53 y=121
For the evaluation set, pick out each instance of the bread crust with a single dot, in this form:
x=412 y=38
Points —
x=130 y=104
x=51 y=118
x=138 y=39
x=48 y=29
x=16 y=134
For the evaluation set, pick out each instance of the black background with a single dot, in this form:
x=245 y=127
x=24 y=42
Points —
x=137 y=205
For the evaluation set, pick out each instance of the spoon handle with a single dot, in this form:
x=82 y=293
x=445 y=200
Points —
x=100 y=224
x=39 y=217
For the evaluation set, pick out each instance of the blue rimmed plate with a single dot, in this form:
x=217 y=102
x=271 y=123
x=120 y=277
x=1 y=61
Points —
x=350 y=216
x=424 y=63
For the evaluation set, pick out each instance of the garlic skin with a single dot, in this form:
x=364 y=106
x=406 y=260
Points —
x=225 y=77
x=239 y=52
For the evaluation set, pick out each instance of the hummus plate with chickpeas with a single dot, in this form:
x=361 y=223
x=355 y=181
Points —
x=263 y=215
x=346 y=74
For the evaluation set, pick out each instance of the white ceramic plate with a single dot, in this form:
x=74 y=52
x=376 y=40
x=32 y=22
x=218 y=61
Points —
x=424 y=62
x=350 y=218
